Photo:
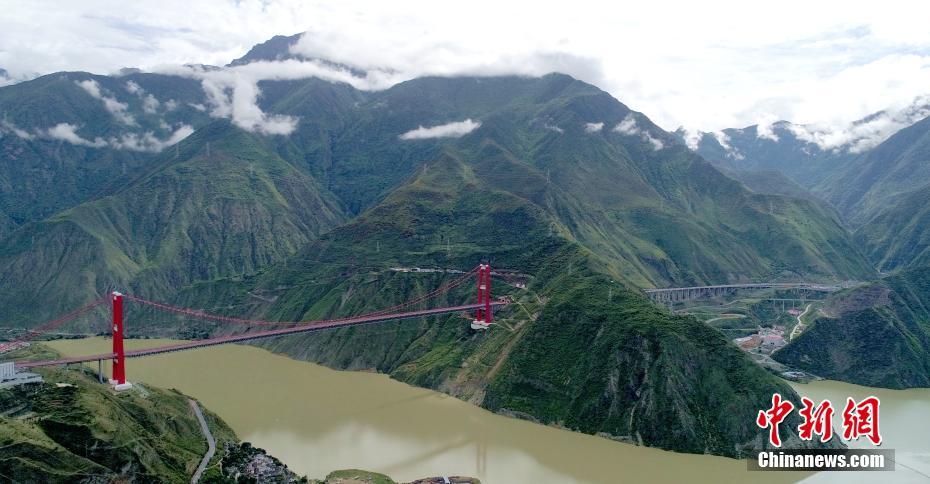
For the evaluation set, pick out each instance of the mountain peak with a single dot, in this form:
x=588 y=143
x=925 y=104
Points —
x=279 y=48
x=274 y=49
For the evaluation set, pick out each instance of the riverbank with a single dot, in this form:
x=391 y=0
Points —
x=316 y=419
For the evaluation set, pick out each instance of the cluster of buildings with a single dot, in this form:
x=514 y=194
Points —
x=765 y=341
x=245 y=463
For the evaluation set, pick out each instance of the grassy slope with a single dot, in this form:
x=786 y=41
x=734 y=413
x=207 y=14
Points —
x=197 y=217
x=885 y=193
x=42 y=176
x=621 y=367
x=670 y=217
x=872 y=182
x=874 y=335
x=86 y=431
x=898 y=236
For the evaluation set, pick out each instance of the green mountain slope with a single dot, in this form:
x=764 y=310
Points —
x=41 y=175
x=225 y=206
x=578 y=348
x=874 y=335
x=642 y=202
x=615 y=192
x=874 y=181
x=82 y=431
x=884 y=194
x=770 y=182
x=899 y=235
x=881 y=193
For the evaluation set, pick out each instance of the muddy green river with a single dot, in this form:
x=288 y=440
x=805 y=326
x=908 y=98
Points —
x=317 y=420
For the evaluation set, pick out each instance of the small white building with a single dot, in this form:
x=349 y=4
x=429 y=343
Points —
x=7 y=370
x=9 y=377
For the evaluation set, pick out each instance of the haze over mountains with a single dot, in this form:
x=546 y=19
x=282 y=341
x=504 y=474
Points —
x=291 y=195
x=875 y=187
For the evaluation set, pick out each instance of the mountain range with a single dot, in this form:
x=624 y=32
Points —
x=877 y=191
x=659 y=214
x=298 y=197
x=881 y=194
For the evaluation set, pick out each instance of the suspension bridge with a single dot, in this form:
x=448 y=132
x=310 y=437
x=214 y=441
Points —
x=483 y=315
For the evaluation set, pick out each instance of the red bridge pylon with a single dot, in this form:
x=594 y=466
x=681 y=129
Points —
x=483 y=315
x=118 y=379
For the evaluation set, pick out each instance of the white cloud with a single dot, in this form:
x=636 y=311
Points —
x=68 y=132
x=12 y=128
x=551 y=127
x=834 y=63
x=150 y=103
x=147 y=141
x=724 y=142
x=116 y=108
x=233 y=92
x=91 y=87
x=764 y=127
x=448 y=130
x=593 y=127
x=656 y=143
x=692 y=138
x=865 y=134
x=628 y=127
x=134 y=88
x=246 y=113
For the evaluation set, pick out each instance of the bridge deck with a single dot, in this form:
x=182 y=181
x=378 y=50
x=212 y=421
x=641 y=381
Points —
x=236 y=338
x=772 y=285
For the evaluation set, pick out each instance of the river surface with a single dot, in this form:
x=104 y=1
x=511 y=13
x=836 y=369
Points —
x=317 y=420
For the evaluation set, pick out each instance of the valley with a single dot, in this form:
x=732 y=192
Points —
x=514 y=277
x=325 y=419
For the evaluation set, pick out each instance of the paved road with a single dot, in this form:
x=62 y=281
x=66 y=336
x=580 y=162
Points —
x=800 y=326
x=211 y=442
x=726 y=316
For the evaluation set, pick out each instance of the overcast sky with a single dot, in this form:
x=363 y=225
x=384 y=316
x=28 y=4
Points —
x=705 y=65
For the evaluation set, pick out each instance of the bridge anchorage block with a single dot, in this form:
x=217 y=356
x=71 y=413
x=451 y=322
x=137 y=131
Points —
x=120 y=387
x=480 y=325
